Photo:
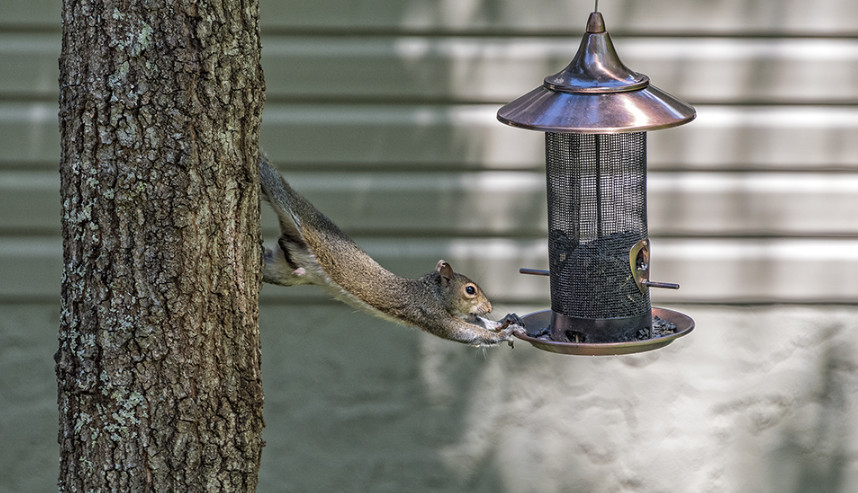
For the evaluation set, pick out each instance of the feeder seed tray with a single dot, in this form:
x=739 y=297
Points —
x=539 y=320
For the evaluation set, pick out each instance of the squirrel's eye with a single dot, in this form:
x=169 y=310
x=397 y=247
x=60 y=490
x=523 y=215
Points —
x=470 y=290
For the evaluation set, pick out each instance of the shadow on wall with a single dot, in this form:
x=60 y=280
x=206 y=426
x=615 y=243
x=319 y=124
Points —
x=813 y=451
x=377 y=407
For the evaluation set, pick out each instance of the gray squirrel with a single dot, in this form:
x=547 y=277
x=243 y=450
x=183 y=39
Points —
x=313 y=250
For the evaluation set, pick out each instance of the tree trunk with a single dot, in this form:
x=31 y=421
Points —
x=159 y=384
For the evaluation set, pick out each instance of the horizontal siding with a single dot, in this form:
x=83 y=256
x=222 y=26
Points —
x=32 y=15
x=535 y=16
x=496 y=69
x=383 y=113
x=512 y=204
x=30 y=65
x=705 y=70
x=724 y=17
x=700 y=17
x=710 y=271
x=416 y=137
x=722 y=137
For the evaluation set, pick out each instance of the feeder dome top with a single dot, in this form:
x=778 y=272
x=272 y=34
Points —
x=596 y=93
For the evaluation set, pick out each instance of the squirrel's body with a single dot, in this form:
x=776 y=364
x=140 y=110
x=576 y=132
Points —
x=313 y=250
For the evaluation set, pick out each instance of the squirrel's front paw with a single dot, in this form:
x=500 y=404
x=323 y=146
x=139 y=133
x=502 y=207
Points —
x=508 y=325
x=495 y=336
x=497 y=332
x=508 y=334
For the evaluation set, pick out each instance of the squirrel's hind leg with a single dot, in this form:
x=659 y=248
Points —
x=279 y=270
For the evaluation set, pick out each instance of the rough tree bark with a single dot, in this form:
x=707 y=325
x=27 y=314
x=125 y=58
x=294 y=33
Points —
x=159 y=384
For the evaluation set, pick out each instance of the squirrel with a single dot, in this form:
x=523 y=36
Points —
x=313 y=250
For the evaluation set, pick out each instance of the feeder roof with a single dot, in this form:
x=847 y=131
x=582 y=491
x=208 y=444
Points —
x=596 y=93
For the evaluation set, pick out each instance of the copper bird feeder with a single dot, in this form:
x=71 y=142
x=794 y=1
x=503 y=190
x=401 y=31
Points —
x=595 y=114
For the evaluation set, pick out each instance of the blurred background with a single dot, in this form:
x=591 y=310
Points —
x=382 y=112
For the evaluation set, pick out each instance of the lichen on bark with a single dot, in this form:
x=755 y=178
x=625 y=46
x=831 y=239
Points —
x=159 y=385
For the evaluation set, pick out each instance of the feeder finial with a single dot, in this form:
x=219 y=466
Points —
x=596 y=23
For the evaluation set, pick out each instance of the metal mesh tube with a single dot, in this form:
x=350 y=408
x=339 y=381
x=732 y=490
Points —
x=596 y=213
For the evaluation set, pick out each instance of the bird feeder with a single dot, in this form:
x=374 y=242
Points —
x=595 y=114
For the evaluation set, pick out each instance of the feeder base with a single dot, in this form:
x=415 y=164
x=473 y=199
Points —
x=684 y=324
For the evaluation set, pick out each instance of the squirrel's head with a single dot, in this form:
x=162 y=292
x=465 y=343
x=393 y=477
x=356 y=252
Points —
x=462 y=295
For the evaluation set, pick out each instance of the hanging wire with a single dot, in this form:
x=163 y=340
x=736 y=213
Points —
x=596 y=9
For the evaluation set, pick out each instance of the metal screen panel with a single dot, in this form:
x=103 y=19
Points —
x=596 y=213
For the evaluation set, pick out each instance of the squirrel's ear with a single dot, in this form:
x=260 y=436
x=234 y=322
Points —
x=445 y=270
